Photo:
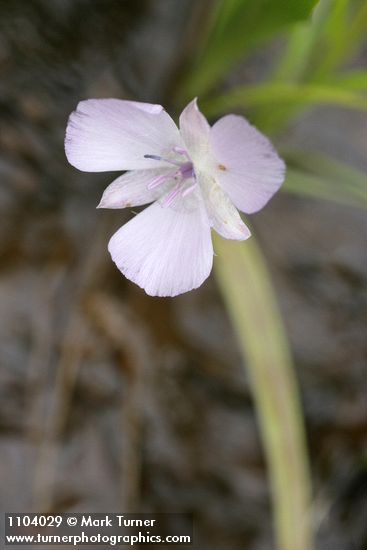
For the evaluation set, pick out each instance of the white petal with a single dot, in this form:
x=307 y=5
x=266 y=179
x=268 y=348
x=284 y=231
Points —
x=223 y=215
x=132 y=189
x=195 y=132
x=164 y=250
x=248 y=168
x=113 y=134
x=152 y=108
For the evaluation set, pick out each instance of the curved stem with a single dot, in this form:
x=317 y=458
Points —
x=246 y=289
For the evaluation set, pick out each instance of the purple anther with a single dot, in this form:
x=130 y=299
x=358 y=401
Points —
x=153 y=157
x=156 y=157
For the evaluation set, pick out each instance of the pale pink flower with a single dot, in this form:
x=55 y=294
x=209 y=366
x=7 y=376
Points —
x=196 y=176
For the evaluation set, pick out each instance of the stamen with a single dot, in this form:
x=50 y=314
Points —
x=180 y=151
x=153 y=157
x=158 y=181
x=171 y=196
x=185 y=172
x=156 y=157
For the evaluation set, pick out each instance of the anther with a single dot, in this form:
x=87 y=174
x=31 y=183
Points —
x=153 y=157
x=156 y=157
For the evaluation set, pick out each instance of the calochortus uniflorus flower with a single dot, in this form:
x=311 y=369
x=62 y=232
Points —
x=197 y=178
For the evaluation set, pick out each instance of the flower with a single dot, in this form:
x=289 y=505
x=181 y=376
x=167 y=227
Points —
x=197 y=178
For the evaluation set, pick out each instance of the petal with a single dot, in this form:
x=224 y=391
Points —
x=164 y=250
x=152 y=108
x=195 y=132
x=248 y=168
x=113 y=134
x=223 y=215
x=132 y=188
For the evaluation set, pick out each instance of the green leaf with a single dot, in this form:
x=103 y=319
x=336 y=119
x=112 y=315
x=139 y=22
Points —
x=301 y=42
x=239 y=25
x=344 y=33
x=283 y=94
x=352 y=80
x=247 y=291
x=322 y=177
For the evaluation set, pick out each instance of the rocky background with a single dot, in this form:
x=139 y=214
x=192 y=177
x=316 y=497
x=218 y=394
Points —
x=114 y=401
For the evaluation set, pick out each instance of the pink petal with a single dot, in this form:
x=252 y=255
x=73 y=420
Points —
x=222 y=213
x=248 y=168
x=152 y=108
x=113 y=134
x=195 y=132
x=132 y=188
x=165 y=251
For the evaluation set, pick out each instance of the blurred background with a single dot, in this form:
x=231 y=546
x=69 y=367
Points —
x=111 y=400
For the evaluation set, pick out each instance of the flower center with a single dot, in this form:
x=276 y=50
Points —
x=184 y=173
x=187 y=170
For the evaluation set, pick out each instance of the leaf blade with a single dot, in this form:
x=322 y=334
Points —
x=231 y=36
x=322 y=177
x=283 y=93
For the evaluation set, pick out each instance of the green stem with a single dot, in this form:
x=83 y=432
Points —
x=246 y=289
